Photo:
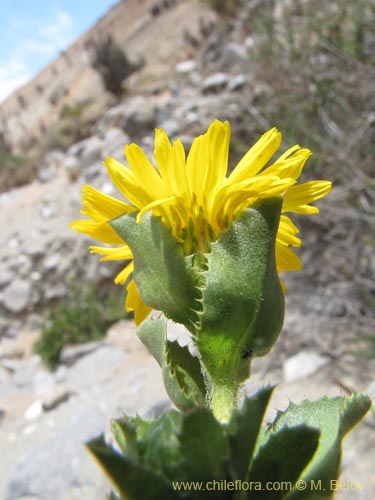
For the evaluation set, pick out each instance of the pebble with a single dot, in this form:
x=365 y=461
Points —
x=6 y=277
x=215 y=83
x=185 y=67
x=302 y=365
x=34 y=411
x=16 y=296
x=48 y=212
x=51 y=262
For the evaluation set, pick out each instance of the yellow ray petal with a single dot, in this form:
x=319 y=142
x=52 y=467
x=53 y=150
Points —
x=101 y=206
x=100 y=230
x=144 y=172
x=135 y=303
x=218 y=136
x=177 y=171
x=257 y=156
x=125 y=181
x=162 y=151
x=302 y=194
x=290 y=164
x=286 y=259
x=121 y=253
x=287 y=231
x=231 y=197
x=153 y=206
x=196 y=164
x=124 y=274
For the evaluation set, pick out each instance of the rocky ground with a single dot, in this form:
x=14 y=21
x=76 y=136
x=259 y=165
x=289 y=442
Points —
x=45 y=417
x=43 y=411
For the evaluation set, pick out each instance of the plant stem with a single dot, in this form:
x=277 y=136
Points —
x=224 y=401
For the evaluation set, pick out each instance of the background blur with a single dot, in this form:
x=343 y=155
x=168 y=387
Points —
x=75 y=87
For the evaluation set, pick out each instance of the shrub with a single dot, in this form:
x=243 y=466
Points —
x=83 y=318
x=15 y=170
x=112 y=64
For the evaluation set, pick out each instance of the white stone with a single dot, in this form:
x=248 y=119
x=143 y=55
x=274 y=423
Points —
x=6 y=277
x=302 y=365
x=48 y=212
x=35 y=410
x=237 y=83
x=185 y=67
x=51 y=262
x=16 y=296
x=215 y=82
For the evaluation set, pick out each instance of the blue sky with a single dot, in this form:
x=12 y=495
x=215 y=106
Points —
x=33 y=32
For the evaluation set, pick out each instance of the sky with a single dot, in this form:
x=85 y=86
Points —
x=33 y=32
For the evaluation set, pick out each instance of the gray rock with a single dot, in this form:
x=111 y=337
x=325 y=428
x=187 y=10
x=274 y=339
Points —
x=25 y=371
x=21 y=264
x=87 y=151
x=53 y=467
x=13 y=329
x=71 y=163
x=92 y=152
x=56 y=292
x=54 y=159
x=44 y=384
x=46 y=174
x=70 y=354
x=237 y=83
x=35 y=249
x=36 y=276
x=48 y=211
x=301 y=365
x=6 y=277
x=114 y=141
x=59 y=396
x=51 y=262
x=171 y=127
x=232 y=54
x=215 y=83
x=140 y=117
x=16 y=296
x=114 y=117
x=98 y=365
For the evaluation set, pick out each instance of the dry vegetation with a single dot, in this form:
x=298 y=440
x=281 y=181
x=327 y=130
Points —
x=313 y=64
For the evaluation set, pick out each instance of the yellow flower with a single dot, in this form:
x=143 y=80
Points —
x=195 y=197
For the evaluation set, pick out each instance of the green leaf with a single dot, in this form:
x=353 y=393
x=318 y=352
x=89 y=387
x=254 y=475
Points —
x=125 y=436
x=164 y=276
x=153 y=334
x=187 y=370
x=205 y=446
x=243 y=431
x=131 y=480
x=182 y=375
x=160 y=446
x=334 y=417
x=242 y=300
x=281 y=460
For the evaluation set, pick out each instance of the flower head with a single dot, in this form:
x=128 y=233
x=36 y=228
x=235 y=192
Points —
x=196 y=198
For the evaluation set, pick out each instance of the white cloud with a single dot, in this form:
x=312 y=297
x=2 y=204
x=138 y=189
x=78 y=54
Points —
x=32 y=42
x=13 y=74
x=59 y=32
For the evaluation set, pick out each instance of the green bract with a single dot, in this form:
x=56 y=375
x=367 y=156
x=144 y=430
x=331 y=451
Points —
x=230 y=298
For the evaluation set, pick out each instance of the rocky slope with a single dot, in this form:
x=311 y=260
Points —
x=184 y=85
x=70 y=78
